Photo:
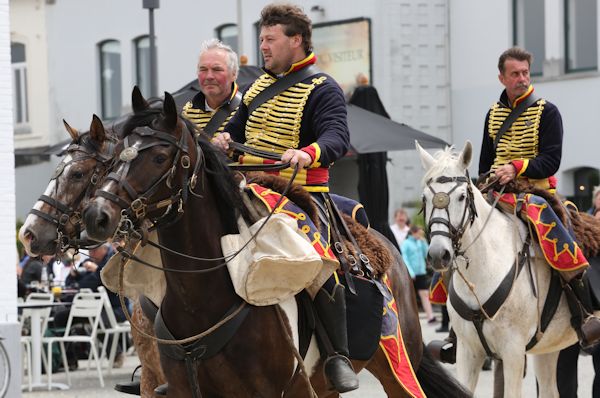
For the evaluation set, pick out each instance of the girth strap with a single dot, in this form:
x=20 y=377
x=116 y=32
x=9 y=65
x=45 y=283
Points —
x=550 y=307
x=493 y=304
x=203 y=348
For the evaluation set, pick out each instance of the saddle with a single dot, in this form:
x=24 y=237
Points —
x=585 y=227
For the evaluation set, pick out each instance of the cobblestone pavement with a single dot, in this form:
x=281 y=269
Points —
x=86 y=384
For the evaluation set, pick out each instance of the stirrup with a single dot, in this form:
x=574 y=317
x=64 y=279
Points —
x=340 y=374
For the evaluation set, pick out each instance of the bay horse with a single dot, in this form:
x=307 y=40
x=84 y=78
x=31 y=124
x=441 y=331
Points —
x=184 y=184
x=483 y=247
x=54 y=223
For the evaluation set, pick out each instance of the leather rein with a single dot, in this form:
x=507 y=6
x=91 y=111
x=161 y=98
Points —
x=136 y=207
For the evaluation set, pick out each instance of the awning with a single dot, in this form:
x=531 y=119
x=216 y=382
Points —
x=370 y=132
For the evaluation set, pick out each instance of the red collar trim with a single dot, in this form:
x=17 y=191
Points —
x=311 y=59
x=522 y=97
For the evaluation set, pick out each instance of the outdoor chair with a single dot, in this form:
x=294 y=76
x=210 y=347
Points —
x=41 y=298
x=109 y=326
x=89 y=307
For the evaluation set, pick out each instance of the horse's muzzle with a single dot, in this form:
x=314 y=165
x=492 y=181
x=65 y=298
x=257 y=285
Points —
x=98 y=223
x=439 y=257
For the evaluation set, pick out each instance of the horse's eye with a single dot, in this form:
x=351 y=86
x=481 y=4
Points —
x=462 y=197
x=78 y=175
x=159 y=159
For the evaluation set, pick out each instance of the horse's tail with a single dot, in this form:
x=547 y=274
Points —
x=436 y=382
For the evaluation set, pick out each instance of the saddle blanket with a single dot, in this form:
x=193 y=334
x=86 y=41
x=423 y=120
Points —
x=558 y=244
x=391 y=340
x=392 y=343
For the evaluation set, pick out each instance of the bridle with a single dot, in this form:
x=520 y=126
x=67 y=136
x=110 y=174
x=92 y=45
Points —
x=441 y=201
x=136 y=206
x=65 y=213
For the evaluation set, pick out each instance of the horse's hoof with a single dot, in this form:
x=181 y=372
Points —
x=132 y=387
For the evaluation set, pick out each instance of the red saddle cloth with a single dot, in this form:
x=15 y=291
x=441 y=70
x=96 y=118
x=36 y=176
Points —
x=558 y=244
x=391 y=340
x=395 y=350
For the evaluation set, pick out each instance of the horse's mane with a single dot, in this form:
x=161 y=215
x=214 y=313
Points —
x=221 y=177
x=445 y=159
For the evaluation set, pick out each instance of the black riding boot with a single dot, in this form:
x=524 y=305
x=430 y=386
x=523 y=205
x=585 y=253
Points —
x=444 y=350
x=161 y=391
x=129 y=387
x=331 y=310
x=579 y=298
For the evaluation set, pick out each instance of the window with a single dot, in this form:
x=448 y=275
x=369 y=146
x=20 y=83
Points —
x=142 y=64
x=528 y=30
x=228 y=34
x=110 y=78
x=581 y=27
x=19 y=80
x=585 y=180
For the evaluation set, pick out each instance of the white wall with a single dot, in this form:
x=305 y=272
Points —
x=480 y=31
x=9 y=327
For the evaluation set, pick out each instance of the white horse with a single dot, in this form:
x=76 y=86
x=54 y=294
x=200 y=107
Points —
x=461 y=220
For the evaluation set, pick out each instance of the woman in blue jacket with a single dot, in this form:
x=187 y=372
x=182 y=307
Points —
x=414 y=251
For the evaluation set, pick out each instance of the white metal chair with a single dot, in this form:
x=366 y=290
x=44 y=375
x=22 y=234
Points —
x=26 y=339
x=111 y=328
x=87 y=306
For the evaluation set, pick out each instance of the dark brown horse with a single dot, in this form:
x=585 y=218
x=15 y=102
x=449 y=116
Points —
x=54 y=223
x=191 y=195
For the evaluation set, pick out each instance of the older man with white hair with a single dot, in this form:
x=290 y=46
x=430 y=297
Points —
x=219 y=97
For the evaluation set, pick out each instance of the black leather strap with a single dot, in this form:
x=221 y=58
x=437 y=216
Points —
x=514 y=114
x=493 y=304
x=281 y=85
x=550 y=307
x=221 y=115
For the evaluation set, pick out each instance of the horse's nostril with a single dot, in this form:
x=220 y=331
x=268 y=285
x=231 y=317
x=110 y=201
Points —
x=28 y=235
x=102 y=219
x=446 y=257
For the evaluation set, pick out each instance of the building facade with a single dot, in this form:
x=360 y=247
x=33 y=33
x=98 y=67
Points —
x=432 y=61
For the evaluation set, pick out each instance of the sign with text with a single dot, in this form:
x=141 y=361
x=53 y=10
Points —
x=343 y=50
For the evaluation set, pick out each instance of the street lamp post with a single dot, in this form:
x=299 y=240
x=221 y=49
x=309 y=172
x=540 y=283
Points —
x=151 y=5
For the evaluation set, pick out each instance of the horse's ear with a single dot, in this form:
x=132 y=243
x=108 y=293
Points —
x=466 y=155
x=426 y=159
x=72 y=132
x=138 y=102
x=97 y=131
x=170 y=111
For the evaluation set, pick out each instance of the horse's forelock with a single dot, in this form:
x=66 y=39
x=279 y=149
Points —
x=140 y=119
x=446 y=163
